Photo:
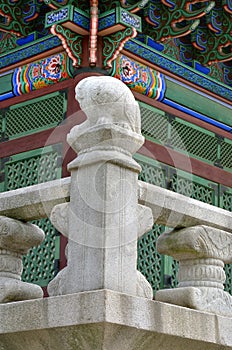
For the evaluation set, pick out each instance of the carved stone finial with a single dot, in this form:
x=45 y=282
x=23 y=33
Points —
x=102 y=220
x=106 y=101
x=15 y=240
x=202 y=252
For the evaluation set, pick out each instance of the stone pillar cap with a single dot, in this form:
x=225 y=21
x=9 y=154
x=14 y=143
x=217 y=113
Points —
x=197 y=242
x=104 y=136
x=18 y=236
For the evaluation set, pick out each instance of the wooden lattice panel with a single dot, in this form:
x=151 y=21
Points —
x=35 y=115
x=150 y=262
x=29 y=168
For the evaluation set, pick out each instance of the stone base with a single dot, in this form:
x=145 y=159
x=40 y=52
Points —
x=206 y=299
x=106 y=320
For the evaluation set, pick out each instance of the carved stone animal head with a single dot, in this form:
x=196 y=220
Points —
x=106 y=99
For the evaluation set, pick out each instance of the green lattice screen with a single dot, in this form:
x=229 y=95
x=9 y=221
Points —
x=150 y=262
x=226 y=153
x=154 y=123
x=32 y=167
x=185 y=137
x=196 y=141
x=40 y=264
x=34 y=115
x=27 y=169
x=153 y=174
x=155 y=267
x=194 y=187
x=226 y=199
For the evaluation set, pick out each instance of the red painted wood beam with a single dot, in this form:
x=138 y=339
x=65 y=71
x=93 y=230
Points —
x=38 y=93
x=182 y=115
x=180 y=161
x=155 y=151
x=42 y=138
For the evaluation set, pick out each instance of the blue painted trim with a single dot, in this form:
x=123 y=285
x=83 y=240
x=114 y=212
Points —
x=107 y=21
x=6 y=96
x=27 y=51
x=197 y=115
x=25 y=40
x=14 y=83
x=180 y=69
x=81 y=19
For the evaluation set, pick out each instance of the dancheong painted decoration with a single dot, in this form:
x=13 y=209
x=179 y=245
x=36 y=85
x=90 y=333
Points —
x=200 y=31
x=140 y=77
x=41 y=73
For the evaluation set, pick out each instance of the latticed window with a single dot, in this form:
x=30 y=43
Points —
x=226 y=152
x=185 y=137
x=33 y=116
x=193 y=140
x=226 y=203
x=41 y=263
x=154 y=124
x=152 y=174
x=194 y=187
x=150 y=262
x=29 y=168
x=197 y=142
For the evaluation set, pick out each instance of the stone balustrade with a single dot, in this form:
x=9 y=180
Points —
x=104 y=219
x=100 y=299
x=168 y=208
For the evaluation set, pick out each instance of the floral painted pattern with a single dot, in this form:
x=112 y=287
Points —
x=140 y=77
x=42 y=73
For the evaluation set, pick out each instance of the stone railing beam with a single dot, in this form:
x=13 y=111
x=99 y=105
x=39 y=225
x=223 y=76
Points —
x=34 y=202
x=175 y=210
x=168 y=208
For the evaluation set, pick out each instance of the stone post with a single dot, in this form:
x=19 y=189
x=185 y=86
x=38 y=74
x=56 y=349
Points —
x=16 y=238
x=102 y=219
x=201 y=252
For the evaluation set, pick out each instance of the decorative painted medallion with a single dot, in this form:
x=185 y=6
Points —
x=140 y=77
x=41 y=73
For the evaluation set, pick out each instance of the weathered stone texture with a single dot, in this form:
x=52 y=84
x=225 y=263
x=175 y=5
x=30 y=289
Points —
x=103 y=220
x=202 y=252
x=16 y=238
x=106 y=320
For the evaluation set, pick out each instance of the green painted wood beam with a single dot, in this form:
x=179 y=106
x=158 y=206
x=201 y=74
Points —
x=198 y=103
x=6 y=83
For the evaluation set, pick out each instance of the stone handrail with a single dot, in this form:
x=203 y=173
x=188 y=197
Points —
x=103 y=210
x=168 y=208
